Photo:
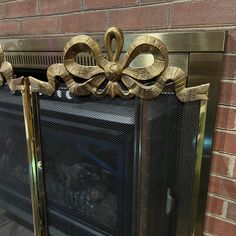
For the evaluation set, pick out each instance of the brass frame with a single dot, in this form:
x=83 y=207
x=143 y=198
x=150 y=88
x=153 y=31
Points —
x=198 y=165
x=16 y=84
x=32 y=131
x=31 y=157
x=39 y=160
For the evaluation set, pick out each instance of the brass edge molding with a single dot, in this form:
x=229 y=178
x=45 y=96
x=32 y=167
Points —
x=113 y=77
x=39 y=160
x=30 y=140
x=197 y=174
x=22 y=84
x=176 y=41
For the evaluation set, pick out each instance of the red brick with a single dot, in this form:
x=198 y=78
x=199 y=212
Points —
x=83 y=22
x=59 y=6
x=219 y=164
x=229 y=66
x=10 y=27
x=203 y=13
x=91 y=4
x=42 y=25
x=231 y=211
x=225 y=142
x=226 y=118
x=140 y=18
x=20 y=8
x=214 y=205
x=227 y=94
x=223 y=187
x=231 y=41
x=218 y=227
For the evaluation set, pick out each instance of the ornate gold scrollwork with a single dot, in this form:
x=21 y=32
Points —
x=6 y=74
x=115 y=76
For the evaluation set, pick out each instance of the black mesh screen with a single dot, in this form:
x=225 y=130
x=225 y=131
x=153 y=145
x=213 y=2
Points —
x=171 y=130
x=15 y=202
x=88 y=150
x=98 y=151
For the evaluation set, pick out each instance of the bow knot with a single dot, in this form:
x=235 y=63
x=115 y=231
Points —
x=113 y=72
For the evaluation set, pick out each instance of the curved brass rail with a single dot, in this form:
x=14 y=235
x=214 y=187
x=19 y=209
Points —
x=113 y=76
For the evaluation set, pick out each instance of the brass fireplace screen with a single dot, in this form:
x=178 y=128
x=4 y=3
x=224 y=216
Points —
x=102 y=114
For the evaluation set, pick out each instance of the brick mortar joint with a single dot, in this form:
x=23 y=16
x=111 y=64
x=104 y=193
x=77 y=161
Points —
x=223 y=177
x=224 y=154
x=227 y=131
x=207 y=234
x=220 y=218
x=83 y=10
x=213 y=195
x=229 y=107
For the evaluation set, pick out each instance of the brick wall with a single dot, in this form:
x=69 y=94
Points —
x=50 y=17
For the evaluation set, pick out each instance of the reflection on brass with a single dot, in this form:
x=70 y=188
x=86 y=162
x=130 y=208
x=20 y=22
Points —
x=189 y=41
x=23 y=85
x=39 y=179
x=205 y=68
x=114 y=77
x=198 y=165
x=29 y=130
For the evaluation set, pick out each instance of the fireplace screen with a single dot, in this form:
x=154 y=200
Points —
x=15 y=200
x=88 y=153
x=97 y=164
x=113 y=149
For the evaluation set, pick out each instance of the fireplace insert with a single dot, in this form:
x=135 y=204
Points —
x=108 y=165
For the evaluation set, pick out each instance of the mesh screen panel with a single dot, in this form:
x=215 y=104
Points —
x=88 y=152
x=171 y=130
x=104 y=158
x=15 y=202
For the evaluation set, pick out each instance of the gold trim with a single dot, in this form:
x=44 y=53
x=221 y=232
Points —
x=39 y=161
x=114 y=77
x=197 y=175
x=31 y=157
x=23 y=84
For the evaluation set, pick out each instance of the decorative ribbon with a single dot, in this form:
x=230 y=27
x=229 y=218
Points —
x=115 y=76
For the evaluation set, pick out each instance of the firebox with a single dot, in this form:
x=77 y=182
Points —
x=114 y=135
